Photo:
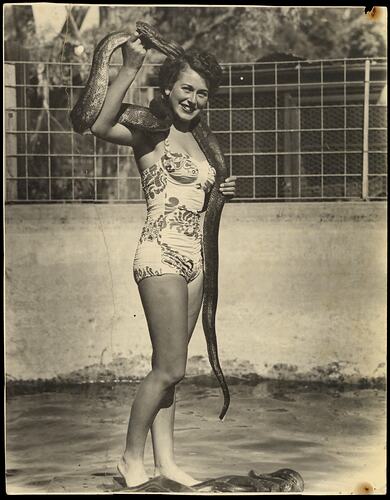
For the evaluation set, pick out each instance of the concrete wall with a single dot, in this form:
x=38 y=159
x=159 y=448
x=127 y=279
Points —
x=302 y=290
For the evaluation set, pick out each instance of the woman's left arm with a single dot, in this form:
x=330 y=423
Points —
x=228 y=187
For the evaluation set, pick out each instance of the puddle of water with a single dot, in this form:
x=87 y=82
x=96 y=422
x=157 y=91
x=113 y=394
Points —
x=70 y=440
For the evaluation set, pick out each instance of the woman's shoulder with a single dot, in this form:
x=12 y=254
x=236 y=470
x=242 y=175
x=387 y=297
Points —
x=146 y=142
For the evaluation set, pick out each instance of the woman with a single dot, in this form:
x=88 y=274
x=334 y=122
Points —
x=168 y=267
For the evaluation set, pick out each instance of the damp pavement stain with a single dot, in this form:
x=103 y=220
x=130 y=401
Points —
x=69 y=440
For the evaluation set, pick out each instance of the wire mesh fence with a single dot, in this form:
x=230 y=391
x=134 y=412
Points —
x=290 y=131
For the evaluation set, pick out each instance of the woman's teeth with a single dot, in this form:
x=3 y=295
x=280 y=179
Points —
x=187 y=109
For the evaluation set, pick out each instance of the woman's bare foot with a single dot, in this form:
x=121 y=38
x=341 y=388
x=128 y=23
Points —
x=174 y=472
x=133 y=473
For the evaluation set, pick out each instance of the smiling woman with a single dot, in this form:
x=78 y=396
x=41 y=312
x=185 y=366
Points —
x=170 y=261
x=189 y=94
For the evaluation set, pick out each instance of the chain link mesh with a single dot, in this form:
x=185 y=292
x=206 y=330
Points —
x=289 y=131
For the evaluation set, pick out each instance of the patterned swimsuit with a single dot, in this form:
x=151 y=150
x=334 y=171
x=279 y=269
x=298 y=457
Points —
x=171 y=239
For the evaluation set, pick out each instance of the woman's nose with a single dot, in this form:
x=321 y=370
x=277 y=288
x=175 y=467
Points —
x=192 y=98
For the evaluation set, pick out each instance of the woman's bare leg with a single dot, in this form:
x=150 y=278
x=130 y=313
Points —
x=162 y=428
x=165 y=302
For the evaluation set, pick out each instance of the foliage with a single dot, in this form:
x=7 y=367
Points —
x=233 y=33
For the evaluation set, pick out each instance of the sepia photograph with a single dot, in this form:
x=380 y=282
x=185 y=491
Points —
x=195 y=249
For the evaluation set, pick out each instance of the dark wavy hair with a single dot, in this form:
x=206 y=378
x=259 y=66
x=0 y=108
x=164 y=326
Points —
x=202 y=62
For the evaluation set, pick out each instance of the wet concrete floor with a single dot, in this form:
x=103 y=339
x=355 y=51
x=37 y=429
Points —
x=69 y=440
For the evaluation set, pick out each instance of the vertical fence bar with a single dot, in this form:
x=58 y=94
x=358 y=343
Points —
x=94 y=168
x=71 y=130
x=26 y=146
x=140 y=190
x=299 y=133
x=253 y=132
x=322 y=128
x=345 y=128
x=46 y=86
x=230 y=121
x=11 y=141
x=117 y=174
x=276 y=133
x=365 y=128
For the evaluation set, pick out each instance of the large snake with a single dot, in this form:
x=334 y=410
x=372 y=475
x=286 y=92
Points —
x=83 y=117
x=282 y=481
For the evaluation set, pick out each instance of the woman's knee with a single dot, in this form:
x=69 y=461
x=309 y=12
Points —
x=171 y=376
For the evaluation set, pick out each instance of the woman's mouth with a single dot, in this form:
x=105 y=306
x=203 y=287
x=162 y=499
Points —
x=187 y=108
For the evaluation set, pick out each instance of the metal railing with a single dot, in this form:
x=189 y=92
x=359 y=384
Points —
x=290 y=131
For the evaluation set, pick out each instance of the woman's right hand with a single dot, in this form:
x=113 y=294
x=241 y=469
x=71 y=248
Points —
x=133 y=52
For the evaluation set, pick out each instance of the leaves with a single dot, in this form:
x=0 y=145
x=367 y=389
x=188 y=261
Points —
x=234 y=34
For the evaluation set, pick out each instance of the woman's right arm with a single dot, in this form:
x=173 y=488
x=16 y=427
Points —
x=106 y=126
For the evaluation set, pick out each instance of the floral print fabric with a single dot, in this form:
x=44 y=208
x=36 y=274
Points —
x=171 y=238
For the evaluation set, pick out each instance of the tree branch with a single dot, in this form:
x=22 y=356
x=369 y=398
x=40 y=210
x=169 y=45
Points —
x=73 y=23
x=216 y=22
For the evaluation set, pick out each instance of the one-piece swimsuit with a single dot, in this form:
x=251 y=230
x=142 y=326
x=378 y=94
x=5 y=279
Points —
x=171 y=239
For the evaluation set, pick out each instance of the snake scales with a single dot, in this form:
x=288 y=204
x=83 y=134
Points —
x=84 y=115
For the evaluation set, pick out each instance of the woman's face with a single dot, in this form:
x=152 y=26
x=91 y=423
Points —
x=189 y=94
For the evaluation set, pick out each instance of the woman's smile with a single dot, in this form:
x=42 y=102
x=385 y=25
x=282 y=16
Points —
x=189 y=94
x=187 y=108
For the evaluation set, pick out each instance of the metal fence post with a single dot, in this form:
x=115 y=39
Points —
x=365 y=128
x=11 y=139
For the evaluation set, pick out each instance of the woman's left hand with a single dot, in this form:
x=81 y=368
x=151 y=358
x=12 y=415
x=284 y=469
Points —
x=228 y=187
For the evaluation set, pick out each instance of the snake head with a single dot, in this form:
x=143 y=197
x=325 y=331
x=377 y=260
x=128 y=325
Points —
x=146 y=33
x=152 y=39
